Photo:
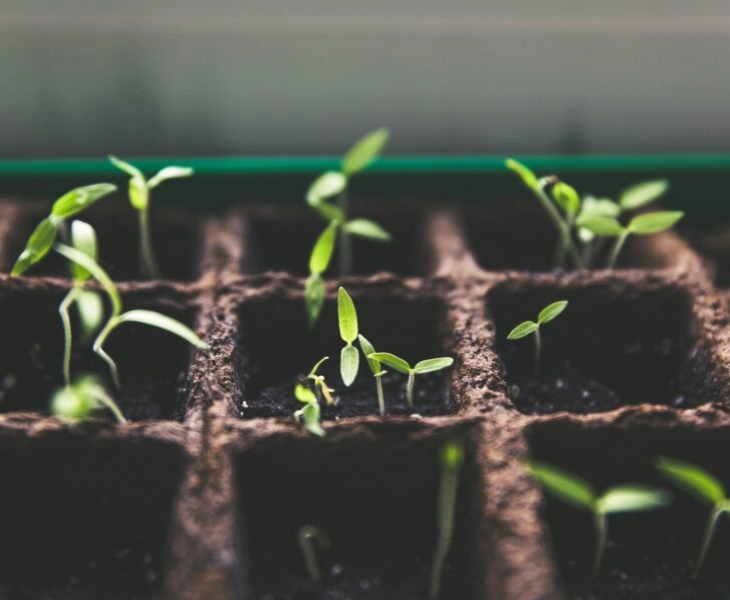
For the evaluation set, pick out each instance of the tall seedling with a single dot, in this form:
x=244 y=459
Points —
x=526 y=328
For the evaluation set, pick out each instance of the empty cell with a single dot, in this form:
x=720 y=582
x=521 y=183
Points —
x=713 y=244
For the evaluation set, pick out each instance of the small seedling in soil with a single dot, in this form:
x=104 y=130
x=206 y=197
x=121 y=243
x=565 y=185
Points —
x=706 y=488
x=80 y=400
x=322 y=390
x=349 y=357
x=118 y=317
x=546 y=315
x=452 y=458
x=376 y=368
x=580 y=494
x=309 y=535
x=310 y=414
x=425 y=366
x=69 y=205
x=318 y=263
x=139 y=196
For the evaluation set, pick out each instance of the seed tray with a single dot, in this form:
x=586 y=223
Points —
x=202 y=493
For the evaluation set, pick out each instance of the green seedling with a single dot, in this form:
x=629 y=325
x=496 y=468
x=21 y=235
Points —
x=69 y=205
x=335 y=184
x=646 y=224
x=452 y=458
x=118 y=316
x=347 y=317
x=318 y=263
x=139 y=196
x=546 y=315
x=321 y=389
x=310 y=413
x=78 y=401
x=706 y=488
x=578 y=493
x=376 y=368
x=307 y=536
x=425 y=366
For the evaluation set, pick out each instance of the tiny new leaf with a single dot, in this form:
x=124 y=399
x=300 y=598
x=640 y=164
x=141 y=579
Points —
x=604 y=226
x=566 y=197
x=327 y=185
x=523 y=330
x=564 y=485
x=654 y=222
x=364 y=151
x=528 y=177
x=173 y=326
x=693 y=479
x=347 y=316
x=322 y=252
x=642 y=194
x=393 y=361
x=39 y=244
x=368 y=229
x=551 y=311
x=432 y=364
x=632 y=498
x=349 y=364
x=80 y=199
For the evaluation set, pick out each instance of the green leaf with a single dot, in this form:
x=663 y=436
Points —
x=323 y=249
x=604 y=226
x=393 y=361
x=432 y=364
x=642 y=194
x=692 y=479
x=83 y=238
x=349 y=364
x=523 y=330
x=155 y=319
x=91 y=312
x=566 y=197
x=71 y=404
x=654 y=222
x=79 y=199
x=365 y=151
x=37 y=246
x=304 y=394
x=367 y=350
x=169 y=173
x=452 y=454
x=128 y=168
x=314 y=298
x=139 y=195
x=347 y=316
x=565 y=486
x=632 y=498
x=311 y=415
x=327 y=185
x=551 y=311
x=368 y=229
x=528 y=177
x=599 y=207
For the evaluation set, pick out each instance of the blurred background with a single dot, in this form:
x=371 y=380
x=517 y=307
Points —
x=183 y=77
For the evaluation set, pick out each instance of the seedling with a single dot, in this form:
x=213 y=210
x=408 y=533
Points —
x=706 y=488
x=321 y=389
x=376 y=368
x=139 y=197
x=78 y=401
x=580 y=494
x=349 y=357
x=310 y=414
x=44 y=235
x=318 y=263
x=118 y=317
x=425 y=366
x=309 y=535
x=451 y=457
x=546 y=315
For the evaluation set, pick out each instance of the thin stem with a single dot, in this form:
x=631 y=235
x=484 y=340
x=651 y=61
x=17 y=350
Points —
x=562 y=227
x=562 y=249
x=148 y=262
x=63 y=309
x=112 y=406
x=307 y=536
x=601 y=536
x=447 y=510
x=538 y=350
x=409 y=388
x=99 y=350
x=345 y=256
x=381 y=398
x=717 y=510
x=620 y=241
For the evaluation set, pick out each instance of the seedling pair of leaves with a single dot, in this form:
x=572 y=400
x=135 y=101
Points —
x=335 y=184
x=578 y=493
x=310 y=414
x=547 y=314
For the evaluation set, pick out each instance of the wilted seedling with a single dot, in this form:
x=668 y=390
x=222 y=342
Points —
x=80 y=400
x=546 y=315
x=451 y=457
x=706 y=488
x=69 y=205
x=376 y=368
x=309 y=535
x=139 y=196
x=425 y=366
x=580 y=494
x=321 y=389
x=310 y=414
x=118 y=317
x=318 y=263
x=347 y=317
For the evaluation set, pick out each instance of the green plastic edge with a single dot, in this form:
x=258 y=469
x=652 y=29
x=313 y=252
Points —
x=392 y=164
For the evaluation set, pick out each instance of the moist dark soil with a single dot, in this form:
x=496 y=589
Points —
x=430 y=397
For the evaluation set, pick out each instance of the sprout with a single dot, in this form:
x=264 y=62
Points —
x=139 y=197
x=318 y=263
x=349 y=357
x=310 y=413
x=118 y=317
x=376 y=368
x=580 y=494
x=425 y=366
x=645 y=224
x=451 y=457
x=706 y=488
x=546 y=315
x=78 y=401
x=320 y=385
x=307 y=535
x=44 y=235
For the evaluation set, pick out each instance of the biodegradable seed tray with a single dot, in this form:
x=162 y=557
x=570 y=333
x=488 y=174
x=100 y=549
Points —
x=202 y=494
